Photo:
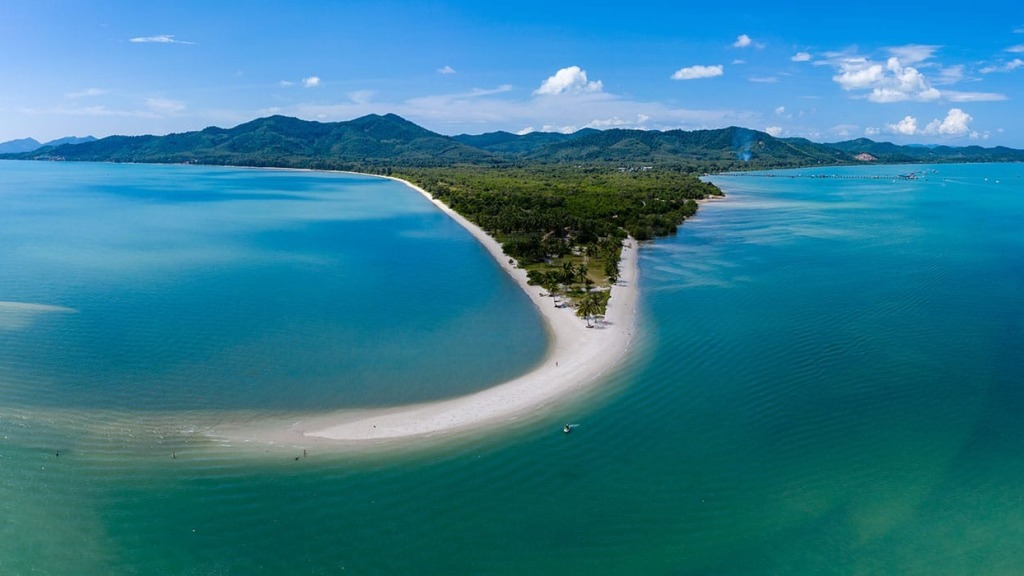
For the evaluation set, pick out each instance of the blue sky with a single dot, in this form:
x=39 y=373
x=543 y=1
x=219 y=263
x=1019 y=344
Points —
x=927 y=72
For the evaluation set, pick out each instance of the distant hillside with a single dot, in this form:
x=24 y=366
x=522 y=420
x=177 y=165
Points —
x=30 y=144
x=70 y=140
x=19 y=146
x=375 y=143
x=507 y=143
x=286 y=142
x=892 y=153
x=723 y=149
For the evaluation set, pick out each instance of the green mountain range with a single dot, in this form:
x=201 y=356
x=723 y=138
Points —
x=377 y=142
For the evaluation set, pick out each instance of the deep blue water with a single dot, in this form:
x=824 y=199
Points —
x=828 y=381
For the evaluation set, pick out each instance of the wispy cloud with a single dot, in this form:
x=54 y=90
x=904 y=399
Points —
x=698 y=71
x=161 y=39
x=571 y=80
x=97 y=111
x=362 y=96
x=844 y=130
x=165 y=106
x=479 y=92
x=801 y=57
x=1018 y=49
x=950 y=75
x=1007 y=67
x=311 y=81
x=764 y=79
x=446 y=70
x=955 y=96
x=87 y=93
x=913 y=53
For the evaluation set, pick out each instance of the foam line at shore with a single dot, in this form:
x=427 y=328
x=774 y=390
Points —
x=577 y=357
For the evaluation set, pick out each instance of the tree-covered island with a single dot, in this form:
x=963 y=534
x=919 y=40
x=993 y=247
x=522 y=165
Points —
x=565 y=224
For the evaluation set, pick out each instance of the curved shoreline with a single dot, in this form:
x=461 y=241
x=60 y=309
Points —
x=577 y=356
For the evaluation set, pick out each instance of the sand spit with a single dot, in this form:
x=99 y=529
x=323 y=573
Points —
x=577 y=357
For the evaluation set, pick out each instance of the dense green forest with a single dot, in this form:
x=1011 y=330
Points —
x=565 y=224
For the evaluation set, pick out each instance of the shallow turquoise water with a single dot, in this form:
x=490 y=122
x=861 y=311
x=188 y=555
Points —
x=211 y=288
x=828 y=381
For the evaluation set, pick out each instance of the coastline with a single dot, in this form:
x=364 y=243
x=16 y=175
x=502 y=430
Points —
x=577 y=357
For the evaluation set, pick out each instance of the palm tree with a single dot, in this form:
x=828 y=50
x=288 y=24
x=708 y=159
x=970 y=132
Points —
x=587 y=308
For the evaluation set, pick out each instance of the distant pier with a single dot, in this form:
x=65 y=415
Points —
x=907 y=176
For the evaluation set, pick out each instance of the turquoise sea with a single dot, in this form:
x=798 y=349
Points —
x=829 y=380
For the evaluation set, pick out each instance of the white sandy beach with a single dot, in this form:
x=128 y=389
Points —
x=577 y=357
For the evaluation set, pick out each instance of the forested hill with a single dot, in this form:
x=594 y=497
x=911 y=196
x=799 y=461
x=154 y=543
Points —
x=375 y=143
x=723 y=149
x=282 y=141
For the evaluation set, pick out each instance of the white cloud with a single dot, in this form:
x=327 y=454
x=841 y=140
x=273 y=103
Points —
x=869 y=131
x=858 y=74
x=907 y=126
x=1019 y=48
x=1008 y=67
x=775 y=131
x=744 y=41
x=526 y=131
x=801 y=57
x=571 y=80
x=311 y=81
x=161 y=39
x=698 y=71
x=780 y=110
x=446 y=70
x=285 y=83
x=955 y=124
x=893 y=82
